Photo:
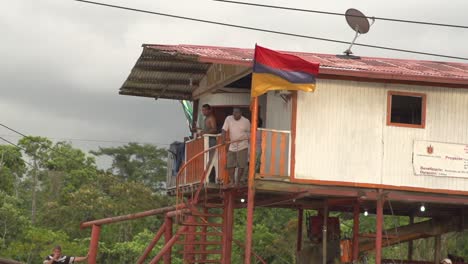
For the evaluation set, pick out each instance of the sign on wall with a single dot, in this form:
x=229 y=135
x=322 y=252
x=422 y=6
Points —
x=440 y=159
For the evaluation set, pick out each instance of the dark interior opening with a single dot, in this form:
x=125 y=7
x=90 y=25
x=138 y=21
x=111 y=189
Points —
x=406 y=109
x=221 y=112
x=243 y=83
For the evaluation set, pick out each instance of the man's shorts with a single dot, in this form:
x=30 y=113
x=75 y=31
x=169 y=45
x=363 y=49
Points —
x=237 y=159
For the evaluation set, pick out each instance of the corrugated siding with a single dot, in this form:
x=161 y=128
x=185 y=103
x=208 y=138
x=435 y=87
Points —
x=342 y=134
x=446 y=121
x=278 y=114
x=338 y=132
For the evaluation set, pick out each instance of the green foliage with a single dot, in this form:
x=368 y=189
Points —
x=143 y=163
x=70 y=189
x=12 y=168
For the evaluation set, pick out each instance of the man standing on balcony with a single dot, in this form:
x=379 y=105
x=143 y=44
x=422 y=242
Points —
x=210 y=127
x=238 y=128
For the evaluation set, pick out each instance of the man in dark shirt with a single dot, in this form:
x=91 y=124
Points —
x=57 y=258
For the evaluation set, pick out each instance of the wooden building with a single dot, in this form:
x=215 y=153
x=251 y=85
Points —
x=381 y=136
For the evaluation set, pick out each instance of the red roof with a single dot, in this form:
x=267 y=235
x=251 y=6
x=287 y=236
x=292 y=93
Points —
x=332 y=65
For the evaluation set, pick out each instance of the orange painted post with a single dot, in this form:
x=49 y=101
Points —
x=251 y=182
x=273 y=152
x=189 y=239
x=94 y=244
x=167 y=236
x=283 y=153
x=222 y=162
x=263 y=159
x=168 y=245
x=356 y=213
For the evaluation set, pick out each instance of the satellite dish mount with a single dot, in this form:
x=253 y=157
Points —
x=359 y=23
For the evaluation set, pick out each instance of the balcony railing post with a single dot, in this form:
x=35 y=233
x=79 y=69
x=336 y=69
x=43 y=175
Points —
x=94 y=244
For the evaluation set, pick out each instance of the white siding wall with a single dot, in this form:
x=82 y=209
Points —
x=342 y=134
x=224 y=99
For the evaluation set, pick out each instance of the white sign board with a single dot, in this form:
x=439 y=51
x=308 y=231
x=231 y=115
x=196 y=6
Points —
x=440 y=159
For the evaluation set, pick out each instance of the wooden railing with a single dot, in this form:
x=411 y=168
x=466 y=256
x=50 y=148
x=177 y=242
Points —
x=273 y=158
x=195 y=169
x=275 y=152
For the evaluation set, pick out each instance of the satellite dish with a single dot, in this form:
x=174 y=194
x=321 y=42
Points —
x=359 y=23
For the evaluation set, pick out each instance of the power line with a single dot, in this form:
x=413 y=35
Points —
x=99 y=140
x=271 y=31
x=11 y=143
x=24 y=135
x=339 y=14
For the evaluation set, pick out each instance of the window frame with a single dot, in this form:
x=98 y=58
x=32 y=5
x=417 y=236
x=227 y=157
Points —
x=411 y=94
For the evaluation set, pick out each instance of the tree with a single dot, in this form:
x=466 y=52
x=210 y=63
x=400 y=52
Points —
x=12 y=168
x=36 y=148
x=143 y=163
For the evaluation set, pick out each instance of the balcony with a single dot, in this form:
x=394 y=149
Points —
x=272 y=159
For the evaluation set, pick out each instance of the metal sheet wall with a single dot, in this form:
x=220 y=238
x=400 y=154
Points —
x=342 y=134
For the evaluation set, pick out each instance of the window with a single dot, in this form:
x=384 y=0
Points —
x=406 y=109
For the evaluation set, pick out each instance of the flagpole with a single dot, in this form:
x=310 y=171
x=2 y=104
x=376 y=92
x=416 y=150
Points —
x=251 y=181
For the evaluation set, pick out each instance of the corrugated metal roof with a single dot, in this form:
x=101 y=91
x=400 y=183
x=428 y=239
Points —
x=165 y=71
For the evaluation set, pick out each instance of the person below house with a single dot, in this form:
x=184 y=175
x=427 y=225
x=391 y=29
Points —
x=57 y=258
x=238 y=128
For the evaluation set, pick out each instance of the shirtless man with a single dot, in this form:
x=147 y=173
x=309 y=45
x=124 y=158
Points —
x=210 y=128
x=210 y=121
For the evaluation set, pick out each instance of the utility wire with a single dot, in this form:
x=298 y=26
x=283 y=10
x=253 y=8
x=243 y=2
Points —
x=339 y=14
x=11 y=143
x=98 y=140
x=270 y=31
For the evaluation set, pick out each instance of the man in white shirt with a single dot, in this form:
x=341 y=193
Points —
x=238 y=128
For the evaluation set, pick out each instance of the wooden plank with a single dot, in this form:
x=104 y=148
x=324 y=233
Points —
x=283 y=153
x=273 y=152
x=263 y=159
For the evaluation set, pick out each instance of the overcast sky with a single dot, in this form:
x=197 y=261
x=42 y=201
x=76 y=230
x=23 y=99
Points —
x=62 y=61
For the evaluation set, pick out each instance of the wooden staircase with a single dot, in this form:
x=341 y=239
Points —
x=203 y=242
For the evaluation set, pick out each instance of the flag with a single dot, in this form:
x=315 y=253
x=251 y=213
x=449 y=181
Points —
x=277 y=71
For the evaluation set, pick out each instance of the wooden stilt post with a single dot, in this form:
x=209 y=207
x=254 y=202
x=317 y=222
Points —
x=228 y=226
x=325 y=232
x=356 y=213
x=410 y=243
x=203 y=236
x=189 y=239
x=300 y=216
x=167 y=236
x=379 y=229
x=437 y=248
